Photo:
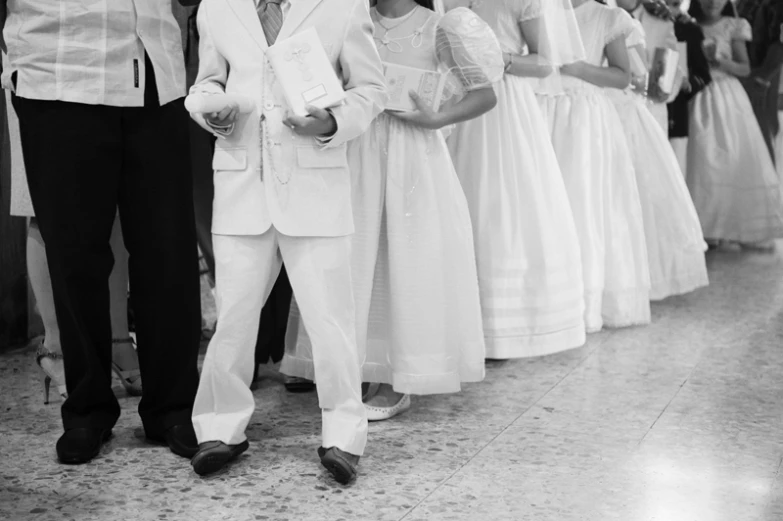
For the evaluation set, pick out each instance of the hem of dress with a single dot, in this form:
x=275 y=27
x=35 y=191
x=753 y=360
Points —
x=759 y=236
x=626 y=308
x=678 y=286
x=444 y=383
x=531 y=346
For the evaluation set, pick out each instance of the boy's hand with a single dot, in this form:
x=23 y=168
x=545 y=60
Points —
x=224 y=118
x=319 y=123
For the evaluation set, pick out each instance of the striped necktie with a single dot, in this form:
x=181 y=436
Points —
x=270 y=13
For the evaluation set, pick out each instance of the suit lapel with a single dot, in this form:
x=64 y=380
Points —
x=300 y=10
x=245 y=10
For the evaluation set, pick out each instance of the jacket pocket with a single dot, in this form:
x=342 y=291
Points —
x=230 y=159
x=315 y=157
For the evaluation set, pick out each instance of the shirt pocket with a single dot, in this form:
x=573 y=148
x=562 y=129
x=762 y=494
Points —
x=315 y=157
x=229 y=159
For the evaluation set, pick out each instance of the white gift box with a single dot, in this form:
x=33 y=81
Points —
x=663 y=72
x=401 y=80
x=305 y=73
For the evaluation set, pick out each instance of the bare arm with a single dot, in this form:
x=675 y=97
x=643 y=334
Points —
x=739 y=64
x=617 y=75
x=473 y=105
x=530 y=65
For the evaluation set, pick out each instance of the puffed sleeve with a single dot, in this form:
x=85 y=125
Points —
x=468 y=50
x=742 y=31
x=619 y=24
x=637 y=36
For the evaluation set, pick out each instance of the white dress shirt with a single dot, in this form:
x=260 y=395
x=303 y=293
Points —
x=285 y=5
x=93 y=52
x=226 y=130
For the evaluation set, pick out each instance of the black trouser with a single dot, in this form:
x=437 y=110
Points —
x=83 y=162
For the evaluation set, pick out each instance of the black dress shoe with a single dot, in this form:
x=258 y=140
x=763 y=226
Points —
x=77 y=446
x=181 y=440
x=340 y=464
x=294 y=384
x=214 y=455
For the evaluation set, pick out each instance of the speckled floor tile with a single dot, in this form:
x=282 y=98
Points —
x=678 y=421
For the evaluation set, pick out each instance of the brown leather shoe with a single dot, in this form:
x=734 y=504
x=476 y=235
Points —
x=212 y=456
x=340 y=464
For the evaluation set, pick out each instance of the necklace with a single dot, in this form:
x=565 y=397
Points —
x=396 y=21
x=393 y=43
x=269 y=146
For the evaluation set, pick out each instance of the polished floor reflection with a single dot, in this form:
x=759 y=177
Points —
x=678 y=421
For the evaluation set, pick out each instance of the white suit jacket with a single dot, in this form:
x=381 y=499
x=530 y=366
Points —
x=265 y=175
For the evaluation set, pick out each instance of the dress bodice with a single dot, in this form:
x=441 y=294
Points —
x=726 y=31
x=458 y=43
x=504 y=17
x=599 y=26
x=409 y=40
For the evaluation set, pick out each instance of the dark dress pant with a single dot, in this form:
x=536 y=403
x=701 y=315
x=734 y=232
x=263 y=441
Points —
x=83 y=162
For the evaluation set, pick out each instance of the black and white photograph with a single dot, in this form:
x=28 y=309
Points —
x=391 y=260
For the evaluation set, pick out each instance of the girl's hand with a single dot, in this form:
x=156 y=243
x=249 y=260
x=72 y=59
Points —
x=711 y=51
x=423 y=116
x=686 y=86
x=575 y=69
x=639 y=84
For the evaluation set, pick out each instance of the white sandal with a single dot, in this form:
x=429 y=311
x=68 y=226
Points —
x=375 y=414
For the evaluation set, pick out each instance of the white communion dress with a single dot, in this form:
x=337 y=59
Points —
x=730 y=172
x=527 y=248
x=675 y=245
x=414 y=271
x=597 y=166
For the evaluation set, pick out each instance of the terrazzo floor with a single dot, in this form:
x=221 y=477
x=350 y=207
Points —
x=678 y=421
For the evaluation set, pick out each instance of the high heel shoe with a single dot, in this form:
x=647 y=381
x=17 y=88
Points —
x=131 y=379
x=55 y=374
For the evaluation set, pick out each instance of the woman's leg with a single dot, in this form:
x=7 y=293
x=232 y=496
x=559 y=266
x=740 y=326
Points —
x=49 y=355
x=38 y=272
x=123 y=353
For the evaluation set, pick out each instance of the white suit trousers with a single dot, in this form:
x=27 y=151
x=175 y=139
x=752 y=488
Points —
x=319 y=269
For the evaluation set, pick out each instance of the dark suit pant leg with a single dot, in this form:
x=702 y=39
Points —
x=156 y=211
x=202 y=147
x=274 y=321
x=73 y=157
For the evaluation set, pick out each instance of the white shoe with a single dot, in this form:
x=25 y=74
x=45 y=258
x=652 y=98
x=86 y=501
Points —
x=375 y=414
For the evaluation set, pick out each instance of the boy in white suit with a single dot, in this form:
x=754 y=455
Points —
x=282 y=194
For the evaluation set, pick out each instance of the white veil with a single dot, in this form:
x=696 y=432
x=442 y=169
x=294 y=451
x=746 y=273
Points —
x=560 y=41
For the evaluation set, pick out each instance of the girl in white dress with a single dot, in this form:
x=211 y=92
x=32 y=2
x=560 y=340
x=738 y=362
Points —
x=590 y=143
x=730 y=172
x=526 y=244
x=415 y=280
x=675 y=245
